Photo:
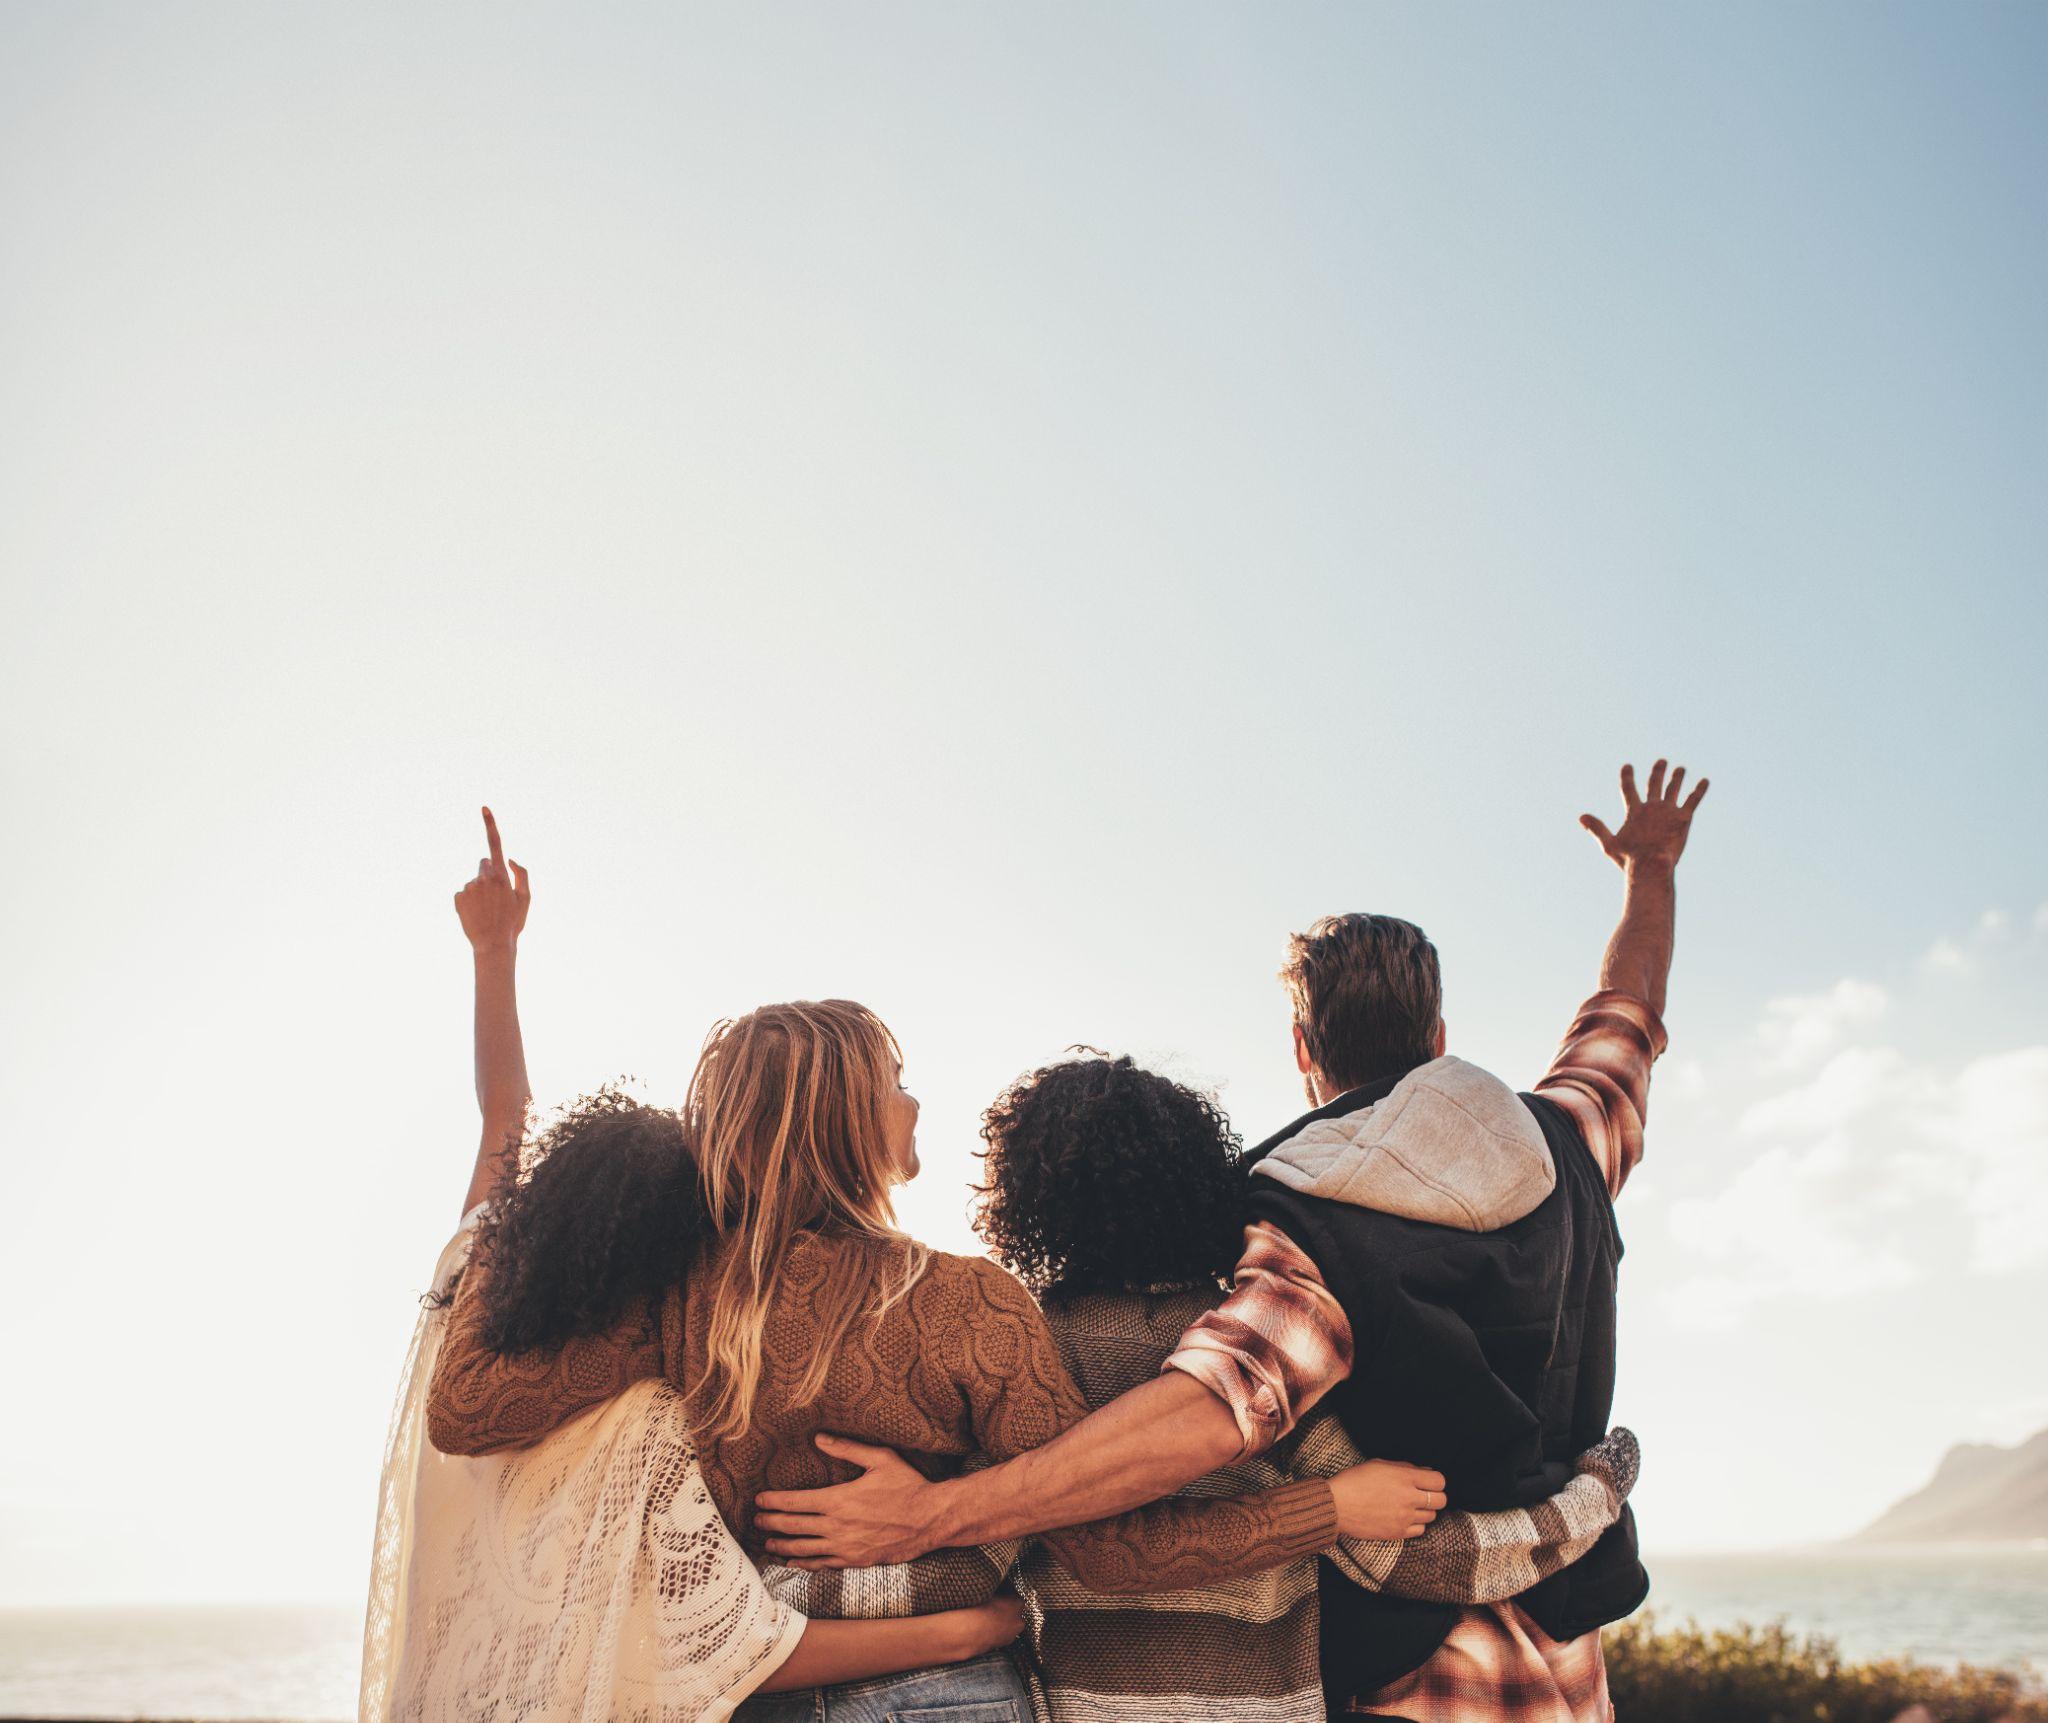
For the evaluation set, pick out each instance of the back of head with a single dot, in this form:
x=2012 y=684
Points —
x=786 y=1113
x=1368 y=996
x=1101 y=1176
x=608 y=1209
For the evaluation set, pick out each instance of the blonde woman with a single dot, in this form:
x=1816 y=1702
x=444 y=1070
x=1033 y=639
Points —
x=807 y=1313
x=589 y=1578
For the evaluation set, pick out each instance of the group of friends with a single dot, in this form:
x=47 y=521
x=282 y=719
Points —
x=692 y=1429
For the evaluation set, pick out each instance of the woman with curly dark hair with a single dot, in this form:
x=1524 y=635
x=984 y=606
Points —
x=1118 y=1196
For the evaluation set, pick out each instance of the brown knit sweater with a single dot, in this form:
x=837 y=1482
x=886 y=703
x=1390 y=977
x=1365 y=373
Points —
x=964 y=1365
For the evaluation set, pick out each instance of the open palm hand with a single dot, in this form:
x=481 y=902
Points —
x=1654 y=825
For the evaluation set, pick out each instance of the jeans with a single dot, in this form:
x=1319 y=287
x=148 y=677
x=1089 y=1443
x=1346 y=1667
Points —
x=987 y=1690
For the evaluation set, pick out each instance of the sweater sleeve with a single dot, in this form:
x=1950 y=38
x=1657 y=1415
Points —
x=1019 y=1396
x=1480 y=1557
x=485 y=1402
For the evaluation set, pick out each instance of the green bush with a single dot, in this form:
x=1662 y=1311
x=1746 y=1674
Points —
x=1768 y=1675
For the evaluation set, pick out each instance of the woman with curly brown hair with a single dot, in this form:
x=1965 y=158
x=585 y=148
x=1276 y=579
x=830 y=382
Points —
x=1118 y=1196
x=798 y=1308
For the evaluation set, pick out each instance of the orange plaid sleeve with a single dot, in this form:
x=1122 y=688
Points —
x=1601 y=1076
x=1275 y=1346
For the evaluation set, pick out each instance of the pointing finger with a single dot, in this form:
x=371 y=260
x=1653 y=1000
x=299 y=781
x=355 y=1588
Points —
x=497 y=843
x=1628 y=786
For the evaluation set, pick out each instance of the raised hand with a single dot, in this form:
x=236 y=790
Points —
x=1654 y=825
x=493 y=906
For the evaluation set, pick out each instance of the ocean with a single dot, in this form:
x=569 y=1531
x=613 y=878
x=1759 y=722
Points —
x=1980 y=1605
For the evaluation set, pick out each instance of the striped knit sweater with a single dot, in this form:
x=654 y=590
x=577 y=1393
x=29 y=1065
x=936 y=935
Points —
x=1244 y=1651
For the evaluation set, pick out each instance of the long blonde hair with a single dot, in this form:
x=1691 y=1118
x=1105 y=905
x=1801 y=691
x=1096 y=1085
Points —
x=787 y=1114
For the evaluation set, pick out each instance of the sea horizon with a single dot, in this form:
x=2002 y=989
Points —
x=297 y=1662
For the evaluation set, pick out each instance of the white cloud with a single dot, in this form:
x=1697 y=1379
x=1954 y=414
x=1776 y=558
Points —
x=1993 y=928
x=1852 y=1084
x=1684 y=1078
x=1945 y=957
x=1825 y=1208
x=1802 y=1027
x=1997 y=1130
x=1871 y=1167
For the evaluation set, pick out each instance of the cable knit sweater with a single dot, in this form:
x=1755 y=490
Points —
x=964 y=1366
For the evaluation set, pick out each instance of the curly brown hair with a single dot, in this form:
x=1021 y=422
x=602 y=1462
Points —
x=609 y=1208
x=1102 y=1176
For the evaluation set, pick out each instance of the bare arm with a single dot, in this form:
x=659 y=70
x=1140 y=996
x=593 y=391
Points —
x=493 y=911
x=834 y=1651
x=1601 y=1075
x=1646 y=849
x=1138 y=1448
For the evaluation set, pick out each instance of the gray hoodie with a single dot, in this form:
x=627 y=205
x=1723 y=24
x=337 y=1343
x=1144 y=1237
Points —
x=1450 y=1144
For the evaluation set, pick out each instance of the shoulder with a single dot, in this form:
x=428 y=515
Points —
x=980 y=1278
x=973 y=1304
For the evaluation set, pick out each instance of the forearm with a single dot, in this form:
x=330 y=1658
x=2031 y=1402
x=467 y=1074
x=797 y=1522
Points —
x=502 y=1089
x=480 y=1401
x=1638 y=959
x=835 y=1651
x=1143 y=1446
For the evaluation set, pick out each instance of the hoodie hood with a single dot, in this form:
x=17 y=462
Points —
x=1449 y=1144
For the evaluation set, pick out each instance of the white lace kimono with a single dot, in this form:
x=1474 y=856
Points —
x=585 y=1579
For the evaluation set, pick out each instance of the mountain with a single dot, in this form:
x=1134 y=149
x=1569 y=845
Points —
x=1979 y=1493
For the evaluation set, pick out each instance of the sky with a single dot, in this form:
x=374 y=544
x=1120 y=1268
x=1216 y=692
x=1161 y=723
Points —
x=1003 y=513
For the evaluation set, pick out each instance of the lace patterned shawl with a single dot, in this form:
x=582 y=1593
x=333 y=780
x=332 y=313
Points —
x=585 y=1579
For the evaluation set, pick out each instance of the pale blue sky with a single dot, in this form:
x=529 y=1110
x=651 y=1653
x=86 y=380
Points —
x=1002 y=513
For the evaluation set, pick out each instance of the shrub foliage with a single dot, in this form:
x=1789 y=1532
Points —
x=1769 y=1675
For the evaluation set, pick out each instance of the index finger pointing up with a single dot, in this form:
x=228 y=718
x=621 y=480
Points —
x=497 y=845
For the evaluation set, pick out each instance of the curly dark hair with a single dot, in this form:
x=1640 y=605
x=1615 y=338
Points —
x=608 y=1209
x=1103 y=1176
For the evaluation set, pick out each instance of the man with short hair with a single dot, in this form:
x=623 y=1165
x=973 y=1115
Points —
x=1477 y=1338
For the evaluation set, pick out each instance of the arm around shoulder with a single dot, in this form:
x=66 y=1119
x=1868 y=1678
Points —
x=1066 y=1464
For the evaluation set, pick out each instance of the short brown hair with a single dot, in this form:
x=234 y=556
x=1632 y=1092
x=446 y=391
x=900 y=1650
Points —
x=1367 y=994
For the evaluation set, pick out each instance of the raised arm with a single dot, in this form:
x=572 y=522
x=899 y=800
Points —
x=1653 y=831
x=1601 y=1075
x=493 y=908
